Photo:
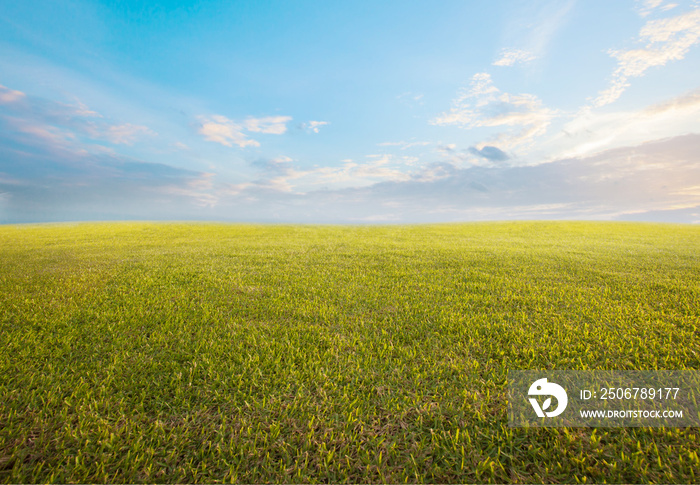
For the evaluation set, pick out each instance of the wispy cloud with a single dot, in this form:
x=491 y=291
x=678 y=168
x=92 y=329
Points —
x=273 y=125
x=48 y=173
x=532 y=28
x=378 y=169
x=411 y=99
x=686 y=101
x=664 y=40
x=61 y=121
x=510 y=57
x=484 y=105
x=59 y=161
x=220 y=129
x=647 y=7
x=591 y=131
x=314 y=126
x=198 y=189
x=125 y=134
x=281 y=175
x=8 y=95
x=404 y=145
x=51 y=135
x=653 y=181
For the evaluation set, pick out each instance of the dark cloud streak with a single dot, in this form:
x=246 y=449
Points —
x=490 y=153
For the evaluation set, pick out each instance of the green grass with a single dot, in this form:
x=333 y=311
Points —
x=138 y=352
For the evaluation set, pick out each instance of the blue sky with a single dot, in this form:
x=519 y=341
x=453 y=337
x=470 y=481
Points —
x=350 y=112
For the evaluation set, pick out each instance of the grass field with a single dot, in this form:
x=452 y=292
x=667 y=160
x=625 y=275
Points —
x=138 y=352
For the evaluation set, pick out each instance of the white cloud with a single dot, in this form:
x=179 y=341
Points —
x=280 y=174
x=220 y=129
x=514 y=56
x=282 y=160
x=81 y=109
x=125 y=134
x=653 y=181
x=8 y=95
x=411 y=99
x=647 y=7
x=315 y=125
x=484 y=105
x=381 y=168
x=687 y=101
x=590 y=132
x=54 y=136
x=273 y=125
x=403 y=145
x=666 y=40
x=224 y=131
x=61 y=124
